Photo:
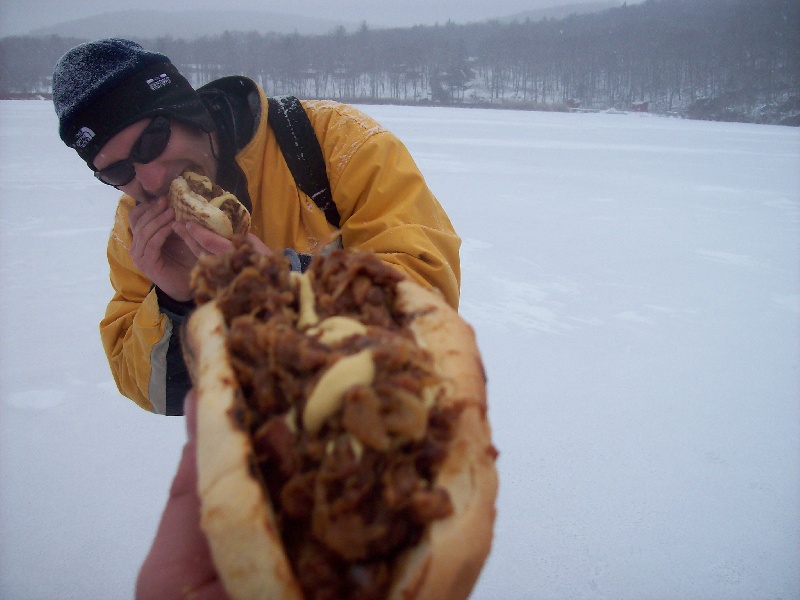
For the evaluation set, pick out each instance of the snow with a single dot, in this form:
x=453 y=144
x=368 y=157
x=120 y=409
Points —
x=634 y=282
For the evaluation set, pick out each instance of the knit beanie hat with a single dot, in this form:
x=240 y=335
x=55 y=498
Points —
x=102 y=87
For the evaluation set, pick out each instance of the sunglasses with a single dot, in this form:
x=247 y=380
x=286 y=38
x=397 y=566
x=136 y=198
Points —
x=148 y=147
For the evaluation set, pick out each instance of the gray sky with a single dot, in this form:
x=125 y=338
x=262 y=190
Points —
x=18 y=17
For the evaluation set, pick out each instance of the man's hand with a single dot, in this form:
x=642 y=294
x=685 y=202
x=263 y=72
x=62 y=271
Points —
x=166 y=251
x=162 y=256
x=179 y=563
x=202 y=241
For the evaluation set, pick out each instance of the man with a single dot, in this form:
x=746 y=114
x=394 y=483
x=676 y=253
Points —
x=138 y=123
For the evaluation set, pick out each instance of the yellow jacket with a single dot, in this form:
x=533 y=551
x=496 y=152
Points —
x=384 y=204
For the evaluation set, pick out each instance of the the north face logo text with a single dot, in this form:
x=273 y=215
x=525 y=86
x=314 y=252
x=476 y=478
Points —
x=156 y=83
x=83 y=137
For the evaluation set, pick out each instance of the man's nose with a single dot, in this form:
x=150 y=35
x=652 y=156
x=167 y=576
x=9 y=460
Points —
x=153 y=177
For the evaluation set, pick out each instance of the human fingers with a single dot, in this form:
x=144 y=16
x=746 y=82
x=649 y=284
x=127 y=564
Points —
x=148 y=207
x=148 y=218
x=136 y=213
x=190 y=411
x=182 y=231
x=179 y=563
x=149 y=236
x=204 y=241
x=258 y=245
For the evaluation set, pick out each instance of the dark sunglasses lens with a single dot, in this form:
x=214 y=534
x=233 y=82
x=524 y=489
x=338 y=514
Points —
x=152 y=142
x=148 y=147
x=117 y=174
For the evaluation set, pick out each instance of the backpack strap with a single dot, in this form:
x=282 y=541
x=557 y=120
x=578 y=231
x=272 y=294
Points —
x=302 y=152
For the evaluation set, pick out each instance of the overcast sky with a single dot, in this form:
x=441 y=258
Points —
x=18 y=17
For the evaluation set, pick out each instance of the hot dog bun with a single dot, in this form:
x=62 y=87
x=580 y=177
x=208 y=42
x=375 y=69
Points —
x=445 y=554
x=194 y=197
x=238 y=521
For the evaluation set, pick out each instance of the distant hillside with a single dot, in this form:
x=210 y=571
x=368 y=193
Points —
x=561 y=12
x=186 y=24
x=734 y=60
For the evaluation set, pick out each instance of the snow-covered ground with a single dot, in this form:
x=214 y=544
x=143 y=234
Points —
x=634 y=282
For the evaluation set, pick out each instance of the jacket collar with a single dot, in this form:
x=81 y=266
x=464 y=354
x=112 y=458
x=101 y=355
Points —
x=235 y=105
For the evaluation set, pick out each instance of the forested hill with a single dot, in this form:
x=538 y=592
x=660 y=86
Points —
x=715 y=59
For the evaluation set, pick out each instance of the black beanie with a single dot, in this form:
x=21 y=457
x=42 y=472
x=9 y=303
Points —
x=102 y=87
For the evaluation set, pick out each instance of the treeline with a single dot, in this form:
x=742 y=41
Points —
x=720 y=59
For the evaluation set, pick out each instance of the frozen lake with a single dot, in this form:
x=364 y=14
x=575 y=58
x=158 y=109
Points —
x=634 y=282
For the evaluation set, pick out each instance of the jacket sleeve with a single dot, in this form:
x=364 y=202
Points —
x=139 y=337
x=386 y=207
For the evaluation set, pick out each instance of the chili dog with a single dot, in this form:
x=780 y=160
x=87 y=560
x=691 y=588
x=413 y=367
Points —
x=343 y=444
x=194 y=197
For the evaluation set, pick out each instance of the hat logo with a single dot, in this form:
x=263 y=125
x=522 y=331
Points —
x=83 y=137
x=156 y=83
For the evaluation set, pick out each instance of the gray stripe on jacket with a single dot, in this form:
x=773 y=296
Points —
x=157 y=387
